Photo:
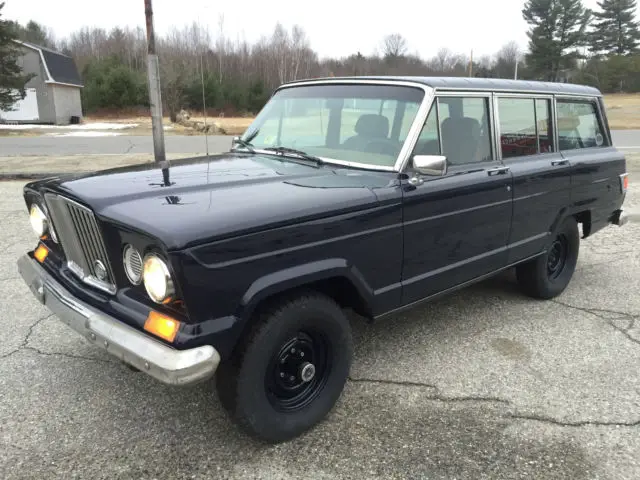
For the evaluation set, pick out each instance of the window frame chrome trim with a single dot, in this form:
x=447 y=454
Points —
x=524 y=96
x=599 y=118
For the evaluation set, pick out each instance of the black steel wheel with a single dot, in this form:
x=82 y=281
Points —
x=557 y=256
x=548 y=275
x=299 y=371
x=289 y=369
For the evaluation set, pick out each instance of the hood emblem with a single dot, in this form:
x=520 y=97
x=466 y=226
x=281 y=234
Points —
x=100 y=269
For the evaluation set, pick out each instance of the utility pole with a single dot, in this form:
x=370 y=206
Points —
x=155 y=98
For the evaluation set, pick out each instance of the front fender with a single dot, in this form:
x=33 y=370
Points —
x=298 y=276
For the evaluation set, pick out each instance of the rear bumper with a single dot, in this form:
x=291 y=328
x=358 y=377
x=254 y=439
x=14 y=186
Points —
x=619 y=218
x=166 y=364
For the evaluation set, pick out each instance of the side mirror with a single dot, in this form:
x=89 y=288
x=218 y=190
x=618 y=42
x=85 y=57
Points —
x=234 y=141
x=434 y=165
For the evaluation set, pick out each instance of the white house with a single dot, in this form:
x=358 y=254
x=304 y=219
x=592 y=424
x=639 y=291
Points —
x=53 y=94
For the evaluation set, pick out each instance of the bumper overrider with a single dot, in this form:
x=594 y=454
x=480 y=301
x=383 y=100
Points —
x=166 y=364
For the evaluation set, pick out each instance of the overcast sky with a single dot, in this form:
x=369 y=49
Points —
x=334 y=27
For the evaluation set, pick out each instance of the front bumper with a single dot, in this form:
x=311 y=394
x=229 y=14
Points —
x=166 y=364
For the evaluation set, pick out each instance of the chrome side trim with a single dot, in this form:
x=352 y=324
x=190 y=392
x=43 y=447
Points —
x=454 y=288
x=164 y=363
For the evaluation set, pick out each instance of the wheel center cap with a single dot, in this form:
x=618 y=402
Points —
x=307 y=372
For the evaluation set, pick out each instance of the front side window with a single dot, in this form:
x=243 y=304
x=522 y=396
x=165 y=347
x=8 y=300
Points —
x=362 y=124
x=579 y=125
x=457 y=128
x=524 y=126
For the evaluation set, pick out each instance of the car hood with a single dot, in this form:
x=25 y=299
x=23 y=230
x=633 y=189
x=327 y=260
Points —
x=204 y=199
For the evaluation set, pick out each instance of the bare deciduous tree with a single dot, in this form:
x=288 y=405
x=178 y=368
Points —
x=394 y=46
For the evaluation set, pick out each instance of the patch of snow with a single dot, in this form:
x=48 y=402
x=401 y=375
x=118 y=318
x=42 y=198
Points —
x=85 y=134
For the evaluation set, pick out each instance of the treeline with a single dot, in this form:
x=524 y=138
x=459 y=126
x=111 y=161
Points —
x=566 y=43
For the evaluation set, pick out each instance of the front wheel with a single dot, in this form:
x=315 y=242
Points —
x=289 y=369
x=548 y=275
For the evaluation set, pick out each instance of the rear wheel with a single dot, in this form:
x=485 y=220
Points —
x=548 y=275
x=289 y=369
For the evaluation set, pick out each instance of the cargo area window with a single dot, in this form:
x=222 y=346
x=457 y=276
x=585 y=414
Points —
x=579 y=125
x=525 y=126
x=459 y=128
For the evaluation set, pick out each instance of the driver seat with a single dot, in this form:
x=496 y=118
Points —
x=369 y=127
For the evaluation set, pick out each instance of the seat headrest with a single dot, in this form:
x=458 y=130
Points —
x=465 y=125
x=568 y=123
x=371 y=125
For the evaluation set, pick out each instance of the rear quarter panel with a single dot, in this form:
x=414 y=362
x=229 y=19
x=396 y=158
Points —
x=595 y=182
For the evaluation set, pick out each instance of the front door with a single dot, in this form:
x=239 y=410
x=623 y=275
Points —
x=456 y=226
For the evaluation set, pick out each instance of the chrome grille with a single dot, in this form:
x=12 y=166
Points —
x=81 y=240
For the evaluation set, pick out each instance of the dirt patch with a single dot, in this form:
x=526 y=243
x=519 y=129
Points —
x=623 y=111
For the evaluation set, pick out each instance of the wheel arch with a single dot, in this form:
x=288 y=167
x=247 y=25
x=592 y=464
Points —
x=582 y=216
x=335 y=278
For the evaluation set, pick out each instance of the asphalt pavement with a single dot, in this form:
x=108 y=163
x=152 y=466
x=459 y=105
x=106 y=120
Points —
x=118 y=145
x=485 y=383
x=629 y=140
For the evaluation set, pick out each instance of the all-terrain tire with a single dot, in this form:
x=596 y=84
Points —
x=548 y=275
x=257 y=385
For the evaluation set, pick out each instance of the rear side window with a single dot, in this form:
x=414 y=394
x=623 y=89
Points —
x=459 y=128
x=525 y=126
x=579 y=125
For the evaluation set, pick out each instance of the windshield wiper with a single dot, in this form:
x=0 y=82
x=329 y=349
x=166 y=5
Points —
x=243 y=143
x=299 y=153
x=247 y=142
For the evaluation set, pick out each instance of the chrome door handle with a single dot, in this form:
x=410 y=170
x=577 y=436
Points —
x=498 y=171
x=558 y=163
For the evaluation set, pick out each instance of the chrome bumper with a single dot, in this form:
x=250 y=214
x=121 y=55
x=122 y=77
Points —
x=620 y=218
x=166 y=364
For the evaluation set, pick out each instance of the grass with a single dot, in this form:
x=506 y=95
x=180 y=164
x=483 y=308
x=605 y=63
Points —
x=231 y=125
x=623 y=111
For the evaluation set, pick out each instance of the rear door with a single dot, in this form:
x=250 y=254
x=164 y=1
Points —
x=541 y=176
x=455 y=226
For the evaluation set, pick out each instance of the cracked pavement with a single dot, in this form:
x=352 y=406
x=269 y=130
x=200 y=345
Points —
x=484 y=383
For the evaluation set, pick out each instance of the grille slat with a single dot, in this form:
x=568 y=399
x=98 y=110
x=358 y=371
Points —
x=81 y=241
x=82 y=238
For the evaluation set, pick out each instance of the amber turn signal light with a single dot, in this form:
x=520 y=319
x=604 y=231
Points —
x=162 y=326
x=41 y=253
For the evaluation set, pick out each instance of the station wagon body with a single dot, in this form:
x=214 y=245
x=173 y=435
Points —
x=370 y=193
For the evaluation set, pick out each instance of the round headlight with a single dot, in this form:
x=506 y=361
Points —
x=132 y=262
x=157 y=279
x=38 y=220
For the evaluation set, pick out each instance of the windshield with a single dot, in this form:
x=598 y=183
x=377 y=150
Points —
x=363 y=124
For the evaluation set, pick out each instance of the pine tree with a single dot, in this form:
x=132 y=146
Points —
x=557 y=31
x=12 y=81
x=615 y=30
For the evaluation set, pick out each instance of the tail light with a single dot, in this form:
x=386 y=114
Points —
x=624 y=181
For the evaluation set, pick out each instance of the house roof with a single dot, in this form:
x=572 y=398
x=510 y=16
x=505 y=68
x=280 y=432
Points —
x=59 y=68
x=471 y=83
